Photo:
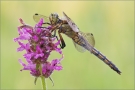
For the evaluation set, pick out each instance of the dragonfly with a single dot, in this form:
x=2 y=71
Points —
x=82 y=41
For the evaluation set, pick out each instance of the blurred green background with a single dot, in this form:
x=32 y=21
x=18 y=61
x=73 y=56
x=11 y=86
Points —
x=111 y=22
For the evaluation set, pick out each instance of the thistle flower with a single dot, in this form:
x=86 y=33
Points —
x=40 y=44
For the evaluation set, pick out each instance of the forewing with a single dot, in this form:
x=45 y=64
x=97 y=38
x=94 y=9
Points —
x=71 y=23
x=89 y=38
x=37 y=18
x=79 y=48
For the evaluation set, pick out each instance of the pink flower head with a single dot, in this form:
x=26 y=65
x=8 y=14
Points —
x=39 y=43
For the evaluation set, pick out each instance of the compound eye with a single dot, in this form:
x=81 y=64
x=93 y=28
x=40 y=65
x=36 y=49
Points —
x=56 y=15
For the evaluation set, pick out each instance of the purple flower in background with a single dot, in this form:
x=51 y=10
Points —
x=39 y=45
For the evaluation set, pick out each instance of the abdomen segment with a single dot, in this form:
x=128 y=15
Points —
x=105 y=60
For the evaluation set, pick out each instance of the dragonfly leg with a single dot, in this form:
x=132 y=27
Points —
x=61 y=39
x=60 y=43
x=42 y=27
x=47 y=23
x=54 y=33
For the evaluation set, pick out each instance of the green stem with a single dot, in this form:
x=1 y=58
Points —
x=43 y=83
x=42 y=78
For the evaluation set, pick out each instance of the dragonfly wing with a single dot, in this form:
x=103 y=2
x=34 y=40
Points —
x=71 y=23
x=86 y=37
x=37 y=18
x=89 y=38
x=79 y=48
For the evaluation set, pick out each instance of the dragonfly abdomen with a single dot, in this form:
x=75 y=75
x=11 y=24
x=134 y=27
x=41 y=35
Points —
x=105 y=60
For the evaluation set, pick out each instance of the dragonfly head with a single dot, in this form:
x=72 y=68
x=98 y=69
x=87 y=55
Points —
x=54 y=18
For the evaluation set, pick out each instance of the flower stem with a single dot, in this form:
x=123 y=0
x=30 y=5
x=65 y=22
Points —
x=42 y=78
x=43 y=83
